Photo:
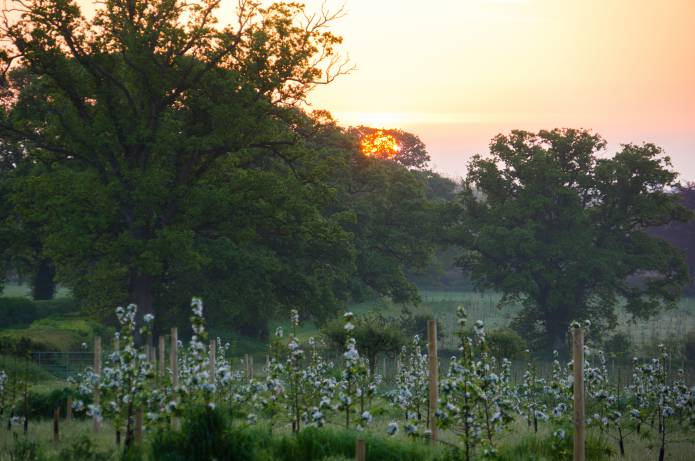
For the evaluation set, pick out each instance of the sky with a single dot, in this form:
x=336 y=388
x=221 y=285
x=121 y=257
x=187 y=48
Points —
x=457 y=72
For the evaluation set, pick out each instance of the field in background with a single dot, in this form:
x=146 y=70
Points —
x=667 y=327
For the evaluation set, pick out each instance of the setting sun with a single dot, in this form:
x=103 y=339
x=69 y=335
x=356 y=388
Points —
x=379 y=144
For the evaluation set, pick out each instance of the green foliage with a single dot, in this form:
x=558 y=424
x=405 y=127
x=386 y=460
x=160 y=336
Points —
x=539 y=448
x=50 y=334
x=83 y=449
x=374 y=333
x=24 y=449
x=17 y=312
x=18 y=366
x=207 y=435
x=204 y=435
x=42 y=403
x=618 y=346
x=506 y=343
x=547 y=222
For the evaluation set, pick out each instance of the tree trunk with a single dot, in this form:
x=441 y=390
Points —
x=43 y=284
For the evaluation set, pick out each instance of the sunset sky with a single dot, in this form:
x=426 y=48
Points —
x=456 y=72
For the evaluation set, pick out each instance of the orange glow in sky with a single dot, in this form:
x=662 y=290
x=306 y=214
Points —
x=456 y=72
x=379 y=144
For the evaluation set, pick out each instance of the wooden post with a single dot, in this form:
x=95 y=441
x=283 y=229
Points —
x=68 y=409
x=251 y=366
x=56 y=430
x=138 y=426
x=434 y=374
x=162 y=357
x=97 y=371
x=246 y=366
x=174 y=360
x=578 y=364
x=360 y=450
x=213 y=361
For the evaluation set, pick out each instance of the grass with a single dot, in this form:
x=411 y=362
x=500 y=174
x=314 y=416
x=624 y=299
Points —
x=59 y=333
x=12 y=290
x=518 y=443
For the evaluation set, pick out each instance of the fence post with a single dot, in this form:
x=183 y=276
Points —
x=213 y=361
x=434 y=374
x=578 y=368
x=360 y=450
x=162 y=356
x=56 y=429
x=68 y=409
x=97 y=371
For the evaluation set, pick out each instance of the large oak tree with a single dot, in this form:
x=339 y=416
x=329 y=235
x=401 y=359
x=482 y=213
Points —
x=149 y=115
x=555 y=226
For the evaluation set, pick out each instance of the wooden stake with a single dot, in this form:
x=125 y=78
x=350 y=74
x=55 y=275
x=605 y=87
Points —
x=360 y=450
x=578 y=364
x=434 y=374
x=97 y=371
x=162 y=356
x=213 y=361
x=68 y=409
x=56 y=429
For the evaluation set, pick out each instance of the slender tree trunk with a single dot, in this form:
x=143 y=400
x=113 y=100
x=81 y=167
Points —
x=43 y=284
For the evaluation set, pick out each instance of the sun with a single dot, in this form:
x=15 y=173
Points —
x=379 y=144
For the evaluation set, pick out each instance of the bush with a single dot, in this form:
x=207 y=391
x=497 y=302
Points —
x=41 y=404
x=60 y=306
x=506 y=343
x=618 y=346
x=203 y=436
x=17 y=312
x=374 y=333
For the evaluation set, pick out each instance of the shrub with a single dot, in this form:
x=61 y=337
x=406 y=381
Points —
x=374 y=333
x=506 y=343
x=41 y=404
x=618 y=346
x=17 y=312
x=203 y=436
x=59 y=306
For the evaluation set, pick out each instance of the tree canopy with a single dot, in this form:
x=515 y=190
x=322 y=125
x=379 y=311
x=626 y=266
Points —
x=551 y=224
x=171 y=156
